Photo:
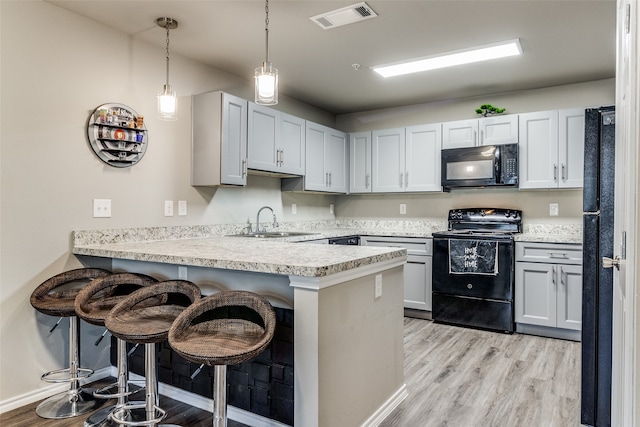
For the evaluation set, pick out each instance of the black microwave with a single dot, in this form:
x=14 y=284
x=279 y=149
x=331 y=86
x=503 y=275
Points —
x=481 y=166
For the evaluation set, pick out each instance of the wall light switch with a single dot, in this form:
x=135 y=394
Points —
x=294 y=209
x=553 y=209
x=168 y=208
x=102 y=208
x=403 y=209
x=182 y=207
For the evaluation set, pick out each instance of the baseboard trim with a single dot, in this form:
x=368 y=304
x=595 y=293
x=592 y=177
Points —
x=49 y=390
x=387 y=407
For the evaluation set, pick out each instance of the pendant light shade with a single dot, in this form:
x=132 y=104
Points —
x=266 y=76
x=266 y=84
x=167 y=99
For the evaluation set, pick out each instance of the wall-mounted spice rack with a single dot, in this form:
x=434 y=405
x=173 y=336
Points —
x=117 y=135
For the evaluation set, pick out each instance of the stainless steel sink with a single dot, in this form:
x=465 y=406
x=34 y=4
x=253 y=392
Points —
x=273 y=234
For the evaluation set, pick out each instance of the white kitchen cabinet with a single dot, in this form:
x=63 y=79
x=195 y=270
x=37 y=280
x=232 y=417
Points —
x=417 y=270
x=276 y=141
x=388 y=160
x=551 y=150
x=548 y=289
x=360 y=162
x=326 y=159
x=219 y=140
x=406 y=159
x=484 y=131
x=423 y=147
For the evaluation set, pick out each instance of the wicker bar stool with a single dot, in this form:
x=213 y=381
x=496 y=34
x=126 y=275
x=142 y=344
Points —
x=145 y=317
x=223 y=329
x=93 y=304
x=56 y=297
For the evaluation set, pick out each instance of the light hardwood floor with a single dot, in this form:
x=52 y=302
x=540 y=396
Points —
x=465 y=377
x=455 y=377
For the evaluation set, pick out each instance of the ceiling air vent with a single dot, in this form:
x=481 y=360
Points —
x=347 y=15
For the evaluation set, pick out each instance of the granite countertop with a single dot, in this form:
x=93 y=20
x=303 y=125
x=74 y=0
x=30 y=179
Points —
x=212 y=246
x=247 y=254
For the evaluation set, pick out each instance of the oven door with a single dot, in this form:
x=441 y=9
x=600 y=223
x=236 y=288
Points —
x=472 y=282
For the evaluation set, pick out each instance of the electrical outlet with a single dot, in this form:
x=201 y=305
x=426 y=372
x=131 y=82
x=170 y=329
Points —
x=102 y=208
x=553 y=209
x=294 y=209
x=378 y=286
x=331 y=208
x=182 y=207
x=182 y=272
x=403 y=209
x=168 y=208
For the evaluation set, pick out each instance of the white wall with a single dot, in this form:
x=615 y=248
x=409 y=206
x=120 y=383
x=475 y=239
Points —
x=56 y=68
x=535 y=204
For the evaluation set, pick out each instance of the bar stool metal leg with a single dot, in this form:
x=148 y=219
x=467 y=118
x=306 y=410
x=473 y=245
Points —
x=152 y=414
x=220 y=396
x=101 y=418
x=74 y=401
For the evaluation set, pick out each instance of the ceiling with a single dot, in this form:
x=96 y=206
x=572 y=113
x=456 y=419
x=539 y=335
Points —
x=566 y=41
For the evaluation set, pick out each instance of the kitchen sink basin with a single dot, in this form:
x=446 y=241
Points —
x=273 y=234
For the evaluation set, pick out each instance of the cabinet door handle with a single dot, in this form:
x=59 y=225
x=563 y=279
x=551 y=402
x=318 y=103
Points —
x=329 y=179
x=326 y=179
x=564 y=172
x=401 y=180
x=475 y=137
x=555 y=172
x=554 y=273
x=366 y=180
x=244 y=168
x=561 y=255
x=481 y=137
x=563 y=281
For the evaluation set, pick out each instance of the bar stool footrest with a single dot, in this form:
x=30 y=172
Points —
x=103 y=393
x=117 y=416
x=81 y=374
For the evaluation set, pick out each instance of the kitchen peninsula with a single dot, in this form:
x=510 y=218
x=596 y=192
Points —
x=348 y=339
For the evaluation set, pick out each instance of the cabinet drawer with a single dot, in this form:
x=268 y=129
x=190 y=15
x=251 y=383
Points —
x=414 y=246
x=550 y=253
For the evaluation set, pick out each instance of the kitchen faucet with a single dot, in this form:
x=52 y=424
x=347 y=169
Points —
x=275 y=221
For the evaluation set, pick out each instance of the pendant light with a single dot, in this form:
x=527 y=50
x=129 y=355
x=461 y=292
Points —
x=167 y=99
x=266 y=76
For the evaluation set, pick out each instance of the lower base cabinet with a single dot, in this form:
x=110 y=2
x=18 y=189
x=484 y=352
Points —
x=417 y=270
x=548 y=289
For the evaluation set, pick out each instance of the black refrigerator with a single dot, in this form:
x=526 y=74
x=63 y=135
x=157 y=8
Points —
x=597 y=282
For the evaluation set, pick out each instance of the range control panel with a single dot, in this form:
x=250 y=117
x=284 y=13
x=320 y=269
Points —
x=485 y=218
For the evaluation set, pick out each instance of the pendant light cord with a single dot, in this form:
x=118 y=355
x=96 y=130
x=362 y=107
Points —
x=167 y=51
x=266 y=29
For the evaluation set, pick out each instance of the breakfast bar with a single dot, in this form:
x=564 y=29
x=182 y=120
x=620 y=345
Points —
x=347 y=304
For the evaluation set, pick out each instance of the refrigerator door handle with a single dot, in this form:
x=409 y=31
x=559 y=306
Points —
x=609 y=263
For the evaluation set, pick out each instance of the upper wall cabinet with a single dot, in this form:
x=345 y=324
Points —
x=551 y=149
x=406 y=159
x=360 y=162
x=276 y=141
x=219 y=140
x=484 y=131
x=326 y=159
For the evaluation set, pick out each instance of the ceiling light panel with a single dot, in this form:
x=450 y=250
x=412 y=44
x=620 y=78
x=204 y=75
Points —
x=451 y=59
x=347 y=15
